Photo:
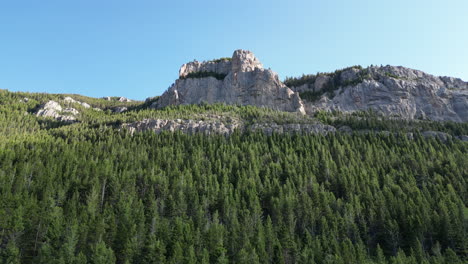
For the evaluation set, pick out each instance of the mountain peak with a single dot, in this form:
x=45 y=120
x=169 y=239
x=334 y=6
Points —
x=241 y=61
x=244 y=61
x=240 y=80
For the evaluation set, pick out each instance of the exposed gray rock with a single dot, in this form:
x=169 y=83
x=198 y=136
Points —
x=463 y=138
x=151 y=99
x=345 y=129
x=186 y=126
x=124 y=99
x=219 y=126
x=71 y=111
x=54 y=110
x=400 y=92
x=246 y=83
x=303 y=88
x=320 y=82
x=220 y=67
x=68 y=99
x=49 y=109
x=120 y=99
x=245 y=61
x=396 y=92
x=120 y=109
x=349 y=75
x=270 y=128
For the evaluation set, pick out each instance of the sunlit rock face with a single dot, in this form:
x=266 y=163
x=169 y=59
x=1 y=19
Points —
x=240 y=80
x=54 y=110
x=392 y=91
x=399 y=92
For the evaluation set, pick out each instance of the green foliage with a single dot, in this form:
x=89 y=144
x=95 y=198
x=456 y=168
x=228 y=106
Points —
x=204 y=74
x=392 y=75
x=90 y=193
x=221 y=59
x=370 y=120
x=310 y=96
x=334 y=83
x=310 y=78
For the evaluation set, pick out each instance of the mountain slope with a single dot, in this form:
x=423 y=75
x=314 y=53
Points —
x=376 y=190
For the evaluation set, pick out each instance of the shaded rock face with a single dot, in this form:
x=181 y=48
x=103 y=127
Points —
x=119 y=109
x=218 y=126
x=399 y=92
x=246 y=83
x=54 y=110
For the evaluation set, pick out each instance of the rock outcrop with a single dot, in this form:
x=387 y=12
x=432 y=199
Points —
x=270 y=128
x=120 y=99
x=396 y=92
x=224 y=127
x=124 y=99
x=119 y=109
x=54 y=110
x=68 y=99
x=186 y=126
x=241 y=80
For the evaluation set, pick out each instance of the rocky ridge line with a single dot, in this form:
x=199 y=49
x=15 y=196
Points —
x=393 y=91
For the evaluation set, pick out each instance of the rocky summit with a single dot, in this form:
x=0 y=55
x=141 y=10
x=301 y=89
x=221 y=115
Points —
x=391 y=91
x=238 y=80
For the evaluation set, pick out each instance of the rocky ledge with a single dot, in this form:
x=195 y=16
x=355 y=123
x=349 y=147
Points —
x=227 y=126
x=219 y=126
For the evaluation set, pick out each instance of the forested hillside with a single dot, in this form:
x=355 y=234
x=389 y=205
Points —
x=91 y=192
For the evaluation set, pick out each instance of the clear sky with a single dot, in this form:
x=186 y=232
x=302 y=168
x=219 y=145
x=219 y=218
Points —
x=134 y=48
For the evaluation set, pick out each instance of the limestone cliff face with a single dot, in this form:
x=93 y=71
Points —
x=396 y=92
x=392 y=91
x=241 y=80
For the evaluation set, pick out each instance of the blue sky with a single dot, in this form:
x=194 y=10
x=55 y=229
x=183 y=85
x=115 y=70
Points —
x=135 y=48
